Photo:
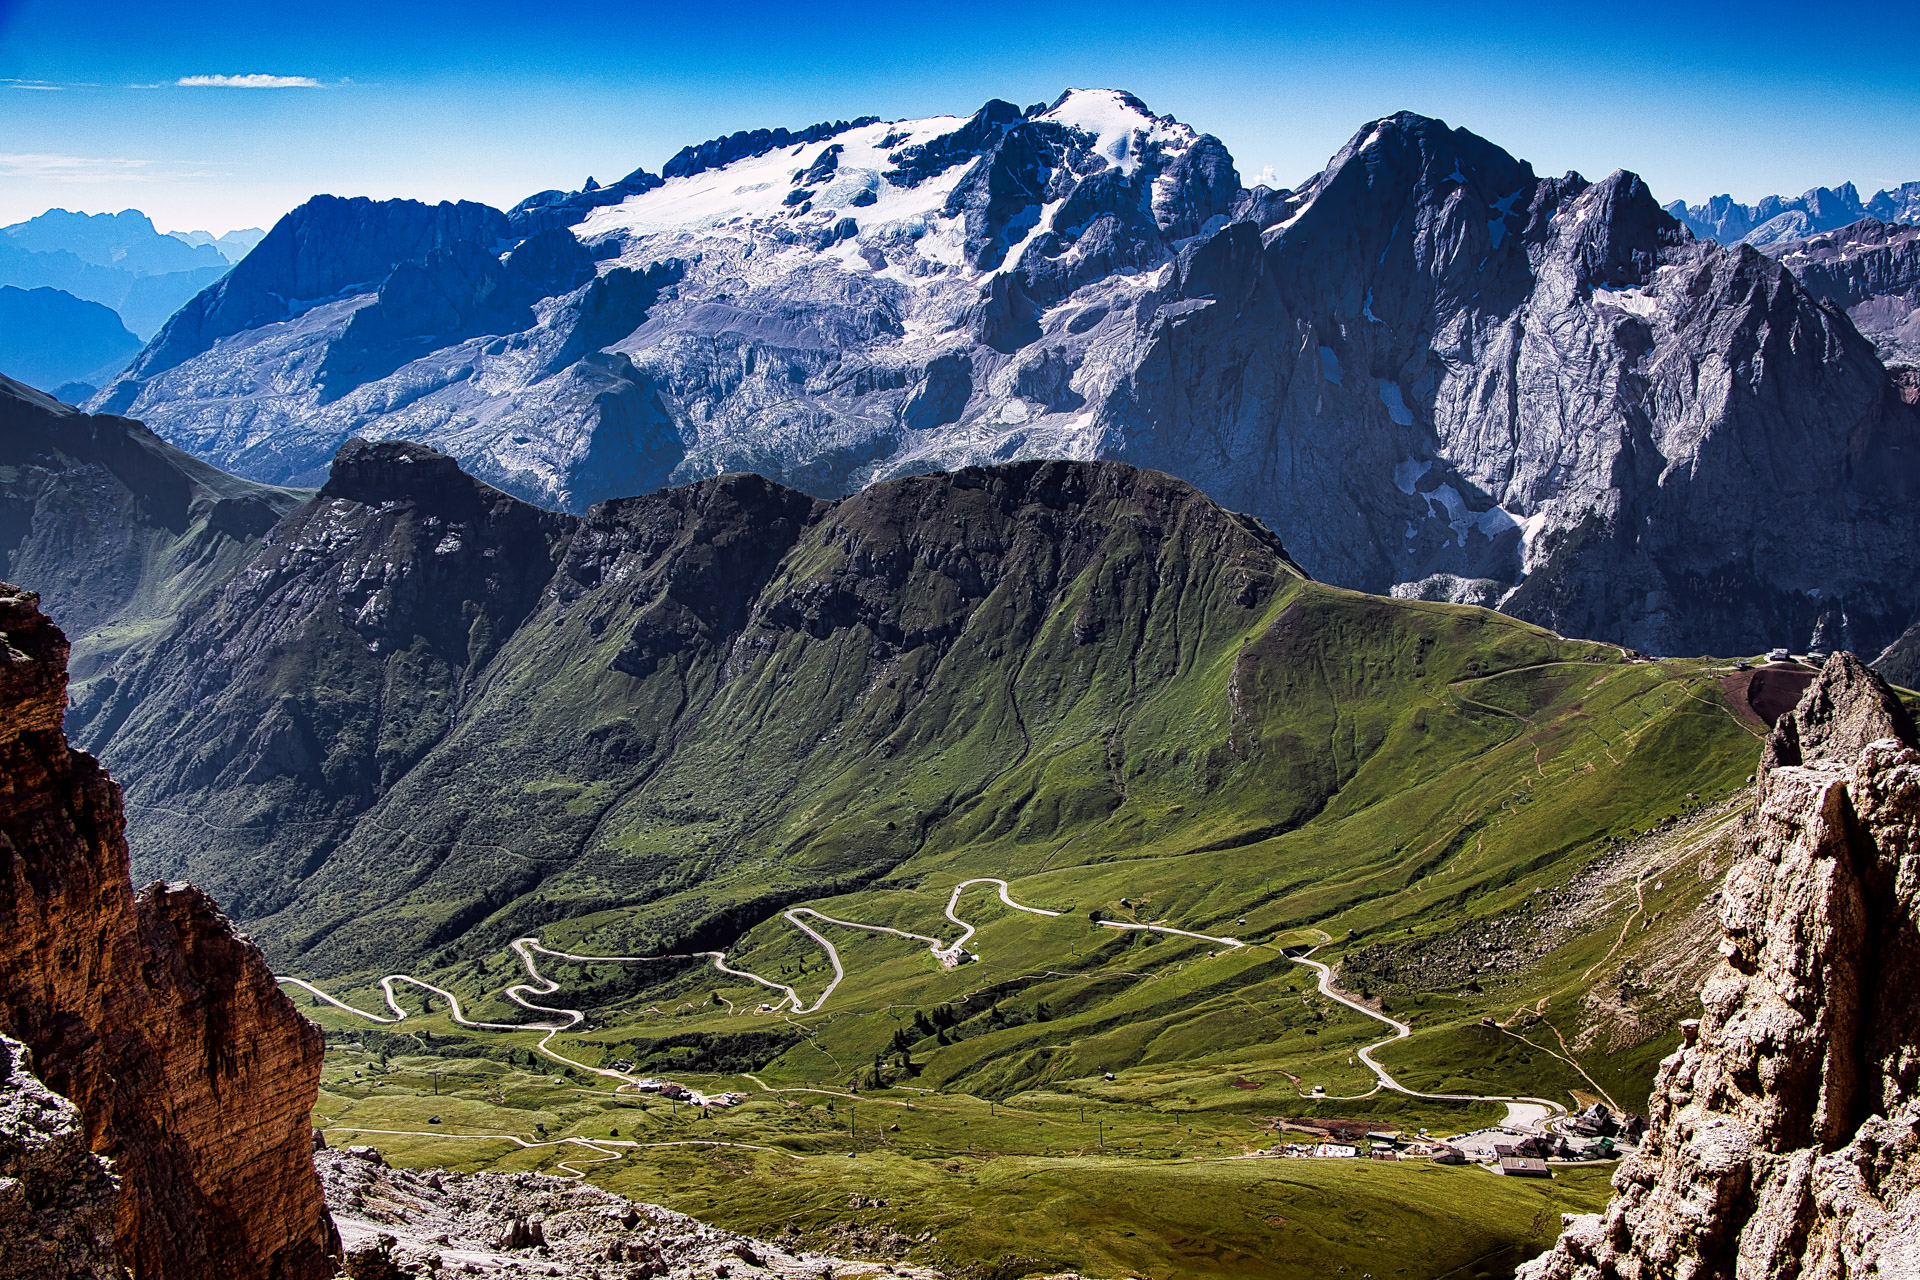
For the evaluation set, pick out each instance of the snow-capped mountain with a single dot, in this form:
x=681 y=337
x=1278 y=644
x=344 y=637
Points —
x=1430 y=370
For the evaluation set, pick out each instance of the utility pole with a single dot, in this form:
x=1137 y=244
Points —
x=1103 y=1134
x=436 y=1084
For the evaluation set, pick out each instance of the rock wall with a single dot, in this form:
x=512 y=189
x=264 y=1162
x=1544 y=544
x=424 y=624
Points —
x=193 y=1074
x=1785 y=1132
x=56 y=1196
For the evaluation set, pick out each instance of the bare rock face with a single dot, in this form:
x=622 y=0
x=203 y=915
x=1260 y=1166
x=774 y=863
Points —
x=431 y=1222
x=191 y=1072
x=56 y=1196
x=1785 y=1134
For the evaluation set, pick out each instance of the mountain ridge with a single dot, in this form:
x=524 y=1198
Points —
x=1429 y=370
x=1777 y=218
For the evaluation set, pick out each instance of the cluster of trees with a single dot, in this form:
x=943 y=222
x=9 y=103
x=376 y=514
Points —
x=706 y=1051
x=947 y=1023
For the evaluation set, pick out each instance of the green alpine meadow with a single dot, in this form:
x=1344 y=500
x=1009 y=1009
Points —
x=993 y=865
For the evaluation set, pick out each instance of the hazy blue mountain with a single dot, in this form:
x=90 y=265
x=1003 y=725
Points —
x=1776 y=219
x=233 y=246
x=49 y=338
x=116 y=259
x=127 y=240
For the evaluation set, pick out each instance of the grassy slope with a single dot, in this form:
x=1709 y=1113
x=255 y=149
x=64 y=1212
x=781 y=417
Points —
x=981 y=1190
x=1479 y=779
x=1129 y=698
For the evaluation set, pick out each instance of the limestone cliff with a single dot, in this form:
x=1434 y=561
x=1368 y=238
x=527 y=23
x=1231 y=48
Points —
x=194 y=1076
x=1785 y=1134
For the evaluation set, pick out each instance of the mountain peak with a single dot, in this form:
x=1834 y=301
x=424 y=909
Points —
x=376 y=471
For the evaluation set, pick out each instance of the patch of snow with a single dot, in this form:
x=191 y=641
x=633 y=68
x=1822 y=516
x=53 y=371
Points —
x=1120 y=129
x=756 y=188
x=1636 y=300
x=1497 y=226
x=1367 y=310
x=1529 y=530
x=1492 y=522
x=1330 y=366
x=1396 y=403
x=1407 y=475
x=1391 y=237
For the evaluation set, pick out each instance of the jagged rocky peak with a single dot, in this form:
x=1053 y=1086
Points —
x=191 y=1073
x=1785 y=1132
x=327 y=248
x=1845 y=709
x=376 y=471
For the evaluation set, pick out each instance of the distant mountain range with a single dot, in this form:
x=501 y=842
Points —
x=119 y=260
x=1431 y=371
x=1779 y=218
x=233 y=246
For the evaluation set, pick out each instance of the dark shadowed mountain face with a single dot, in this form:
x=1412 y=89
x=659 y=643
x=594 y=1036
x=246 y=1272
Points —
x=1430 y=370
x=115 y=528
x=424 y=717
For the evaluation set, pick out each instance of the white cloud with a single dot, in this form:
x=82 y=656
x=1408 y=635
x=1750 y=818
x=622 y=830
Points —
x=247 y=82
x=48 y=167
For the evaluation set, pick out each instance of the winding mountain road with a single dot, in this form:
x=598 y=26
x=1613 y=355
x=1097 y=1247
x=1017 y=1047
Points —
x=1523 y=1111
x=538 y=984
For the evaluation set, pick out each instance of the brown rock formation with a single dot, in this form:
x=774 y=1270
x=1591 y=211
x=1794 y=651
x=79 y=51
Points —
x=1785 y=1135
x=194 y=1075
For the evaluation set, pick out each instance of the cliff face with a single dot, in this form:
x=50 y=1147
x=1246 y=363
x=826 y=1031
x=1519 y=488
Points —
x=1785 y=1134
x=193 y=1074
x=1870 y=270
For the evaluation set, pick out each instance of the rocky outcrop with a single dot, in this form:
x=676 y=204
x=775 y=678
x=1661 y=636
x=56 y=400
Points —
x=1785 y=1132
x=56 y=1196
x=424 y=1222
x=194 y=1076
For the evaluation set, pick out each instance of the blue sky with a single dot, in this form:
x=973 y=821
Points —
x=493 y=101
